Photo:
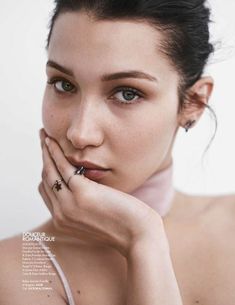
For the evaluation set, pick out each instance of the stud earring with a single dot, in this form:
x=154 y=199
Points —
x=189 y=125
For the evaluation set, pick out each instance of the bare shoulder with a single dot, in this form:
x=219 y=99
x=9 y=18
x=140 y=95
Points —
x=222 y=209
x=204 y=254
x=217 y=244
x=205 y=206
x=215 y=215
x=11 y=280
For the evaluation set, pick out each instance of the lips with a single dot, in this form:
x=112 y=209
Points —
x=92 y=170
x=95 y=174
x=86 y=164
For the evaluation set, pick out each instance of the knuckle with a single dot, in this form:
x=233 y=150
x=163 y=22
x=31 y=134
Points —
x=88 y=196
x=70 y=213
x=67 y=211
x=84 y=195
x=56 y=224
x=73 y=185
x=58 y=219
x=45 y=173
x=73 y=213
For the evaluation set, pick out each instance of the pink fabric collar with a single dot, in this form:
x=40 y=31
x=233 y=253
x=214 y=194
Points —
x=158 y=191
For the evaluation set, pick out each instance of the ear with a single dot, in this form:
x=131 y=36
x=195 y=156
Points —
x=199 y=95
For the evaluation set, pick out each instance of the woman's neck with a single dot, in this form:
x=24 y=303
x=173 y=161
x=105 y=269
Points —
x=158 y=191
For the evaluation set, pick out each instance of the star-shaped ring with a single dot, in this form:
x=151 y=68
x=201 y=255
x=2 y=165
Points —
x=57 y=185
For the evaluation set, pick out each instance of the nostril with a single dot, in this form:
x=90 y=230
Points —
x=85 y=134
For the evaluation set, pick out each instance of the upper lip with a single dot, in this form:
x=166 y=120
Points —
x=86 y=164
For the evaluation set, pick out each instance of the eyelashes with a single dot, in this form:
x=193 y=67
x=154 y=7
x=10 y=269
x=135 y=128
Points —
x=64 y=87
x=127 y=94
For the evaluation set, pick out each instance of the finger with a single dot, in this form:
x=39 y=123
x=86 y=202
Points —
x=65 y=168
x=45 y=198
x=59 y=216
x=55 y=205
x=77 y=183
x=42 y=135
x=61 y=198
x=52 y=177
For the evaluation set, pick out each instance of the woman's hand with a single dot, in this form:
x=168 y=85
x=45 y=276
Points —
x=92 y=211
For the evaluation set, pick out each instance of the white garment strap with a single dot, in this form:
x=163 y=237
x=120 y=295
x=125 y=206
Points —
x=60 y=272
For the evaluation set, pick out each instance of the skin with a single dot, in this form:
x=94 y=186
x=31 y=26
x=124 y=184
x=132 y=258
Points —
x=90 y=124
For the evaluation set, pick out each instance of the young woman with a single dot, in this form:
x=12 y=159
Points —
x=123 y=77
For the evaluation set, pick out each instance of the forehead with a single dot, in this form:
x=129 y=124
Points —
x=107 y=44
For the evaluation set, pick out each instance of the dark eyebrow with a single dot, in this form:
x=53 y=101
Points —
x=107 y=77
x=128 y=74
x=53 y=64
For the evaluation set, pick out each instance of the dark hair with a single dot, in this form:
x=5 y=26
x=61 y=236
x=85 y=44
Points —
x=184 y=23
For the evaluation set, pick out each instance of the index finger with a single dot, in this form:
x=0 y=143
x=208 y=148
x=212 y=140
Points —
x=65 y=168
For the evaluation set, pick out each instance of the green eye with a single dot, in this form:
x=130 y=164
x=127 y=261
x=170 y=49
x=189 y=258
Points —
x=61 y=85
x=127 y=96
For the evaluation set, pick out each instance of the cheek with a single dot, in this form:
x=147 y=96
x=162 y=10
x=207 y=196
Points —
x=147 y=137
x=52 y=118
x=140 y=150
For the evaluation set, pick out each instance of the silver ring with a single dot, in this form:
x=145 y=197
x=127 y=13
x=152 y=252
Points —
x=57 y=185
x=78 y=171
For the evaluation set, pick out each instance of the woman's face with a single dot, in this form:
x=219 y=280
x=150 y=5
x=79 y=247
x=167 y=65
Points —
x=99 y=110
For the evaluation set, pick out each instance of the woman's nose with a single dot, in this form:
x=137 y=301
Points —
x=85 y=128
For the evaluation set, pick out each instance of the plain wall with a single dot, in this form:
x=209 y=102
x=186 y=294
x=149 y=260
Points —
x=23 y=34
